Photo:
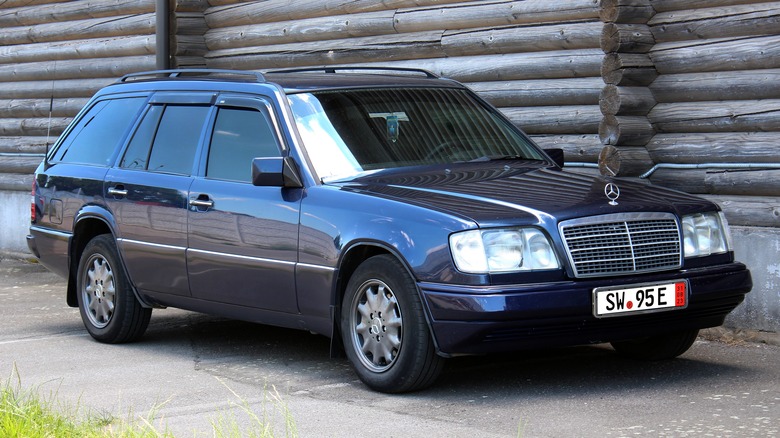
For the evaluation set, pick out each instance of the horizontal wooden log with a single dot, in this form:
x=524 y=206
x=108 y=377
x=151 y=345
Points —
x=70 y=11
x=303 y=30
x=544 y=92
x=624 y=161
x=626 y=101
x=582 y=148
x=21 y=164
x=34 y=127
x=20 y=108
x=76 y=69
x=227 y=15
x=21 y=3
x=97 y=48
x=625 y=130
x=679 y=5
x=720 y=147
x=571 y=119
x=718 y=116
x=189 y=23
x=724 y=21
x=189 y=45
x=739 y=182
x=728 y=85
x=526 y=38
x=191 y=6
x=16 y=182
x=25 y=145
x=141 y=24
x=626 y=11
x=56 y=89
x=495 y=13
x=539 y=65
x=737 y=53
x=750 y=211
x=626 y=38
x=628 y=69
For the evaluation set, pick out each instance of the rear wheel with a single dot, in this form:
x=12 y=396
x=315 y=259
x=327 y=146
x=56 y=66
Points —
x=383 y=326
x=659 y=347
x=109 y=309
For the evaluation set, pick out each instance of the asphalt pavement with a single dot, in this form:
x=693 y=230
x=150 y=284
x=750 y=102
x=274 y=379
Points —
x=191 y=372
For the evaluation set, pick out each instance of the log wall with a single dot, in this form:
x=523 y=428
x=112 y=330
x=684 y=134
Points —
x=537 y=60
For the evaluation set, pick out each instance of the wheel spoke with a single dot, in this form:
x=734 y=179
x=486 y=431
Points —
x=99 y=292
x=377 y=325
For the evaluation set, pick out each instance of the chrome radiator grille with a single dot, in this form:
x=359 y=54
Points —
x=622 y=244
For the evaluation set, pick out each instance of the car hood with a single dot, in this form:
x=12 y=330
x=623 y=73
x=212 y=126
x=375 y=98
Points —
x=496 y=195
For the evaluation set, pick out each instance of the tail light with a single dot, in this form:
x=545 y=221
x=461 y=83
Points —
x=33 y=212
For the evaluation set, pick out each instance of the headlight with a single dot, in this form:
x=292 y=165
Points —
x=502 y=250
x=705 y=234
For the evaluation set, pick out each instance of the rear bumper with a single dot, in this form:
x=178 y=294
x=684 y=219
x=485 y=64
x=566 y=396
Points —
x=479 y=320
x=50 y=247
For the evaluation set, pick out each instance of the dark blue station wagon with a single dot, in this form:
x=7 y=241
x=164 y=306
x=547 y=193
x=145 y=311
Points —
x=396 y=213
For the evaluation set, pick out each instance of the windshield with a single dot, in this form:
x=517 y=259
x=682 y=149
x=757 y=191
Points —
x=349 y=132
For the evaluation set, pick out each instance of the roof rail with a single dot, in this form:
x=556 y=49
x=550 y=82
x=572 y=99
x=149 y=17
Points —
x=335 y=69
x=202 y=72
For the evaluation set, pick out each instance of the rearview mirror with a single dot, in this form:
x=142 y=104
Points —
x=275 y=172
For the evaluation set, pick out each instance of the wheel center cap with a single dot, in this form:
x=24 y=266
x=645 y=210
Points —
x=376 y=326
x=98 y=290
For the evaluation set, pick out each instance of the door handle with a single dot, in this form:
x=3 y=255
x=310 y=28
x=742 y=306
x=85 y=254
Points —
x=201 y=202
x=118 y=191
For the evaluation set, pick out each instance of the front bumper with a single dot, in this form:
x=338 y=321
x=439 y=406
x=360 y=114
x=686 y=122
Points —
x=489 y=319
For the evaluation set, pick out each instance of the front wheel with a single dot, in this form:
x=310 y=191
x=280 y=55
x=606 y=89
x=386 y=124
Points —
x=383 y=326
x=661 y=347
x=108 y=306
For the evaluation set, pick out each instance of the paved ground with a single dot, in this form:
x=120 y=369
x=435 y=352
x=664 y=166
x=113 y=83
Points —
x=194 y=370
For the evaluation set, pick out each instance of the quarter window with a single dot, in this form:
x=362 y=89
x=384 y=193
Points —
x=96 y=136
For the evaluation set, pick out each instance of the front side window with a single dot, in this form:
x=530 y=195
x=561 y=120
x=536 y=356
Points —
x=239 y=136
x=353 y=131
x=96 y=135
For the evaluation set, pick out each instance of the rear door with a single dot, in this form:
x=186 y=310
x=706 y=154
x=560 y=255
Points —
x=148 y=190
x=243 y=240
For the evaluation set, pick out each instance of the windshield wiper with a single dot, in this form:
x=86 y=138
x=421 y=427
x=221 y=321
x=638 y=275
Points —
x=502 y=158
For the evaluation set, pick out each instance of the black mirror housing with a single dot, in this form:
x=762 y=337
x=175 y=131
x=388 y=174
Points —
x=275 y=172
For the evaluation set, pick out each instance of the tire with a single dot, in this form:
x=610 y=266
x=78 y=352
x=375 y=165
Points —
x=386 y=337
x=662 y=347
x=109 y=309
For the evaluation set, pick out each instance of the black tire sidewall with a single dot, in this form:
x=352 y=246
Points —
x=125 y=304
x=408 y=371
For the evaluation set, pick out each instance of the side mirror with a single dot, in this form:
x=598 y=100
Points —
x=275 y=172
x=556 y=154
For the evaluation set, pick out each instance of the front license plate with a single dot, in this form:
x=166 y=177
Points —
x=616 y=301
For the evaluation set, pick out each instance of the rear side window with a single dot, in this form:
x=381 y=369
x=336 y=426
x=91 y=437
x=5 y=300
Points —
x=96 y=135
x=239 y=136
x=166 y=139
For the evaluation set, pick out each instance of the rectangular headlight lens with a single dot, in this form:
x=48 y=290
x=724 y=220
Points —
x=705 y=234
x=502 y=250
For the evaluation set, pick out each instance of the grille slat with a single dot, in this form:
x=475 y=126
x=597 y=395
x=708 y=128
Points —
x=622 y=244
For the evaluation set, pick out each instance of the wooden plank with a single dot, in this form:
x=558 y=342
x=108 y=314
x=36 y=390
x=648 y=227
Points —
x=550 y=65
x=727 y=85
x=72 y=10
x=23 y=164
x=77 y=68
x=16 y=182
x=56 y=89
x=571 y=119
x=525 y=38
x=25 y=145
x=687 y=180
x=576 y=148
x=79 y=49
x=542 y=92
x=33 y=127
x=743 y=182
x=678 y=5
x=140 y=24
x=20 y=108
x=303 y=30
x=717 y=116
x=495 y=13
x=724 y=21
x=20 y=3
x=736 y=53
x=752 y=211
x=720 y=147
x=285 y=10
